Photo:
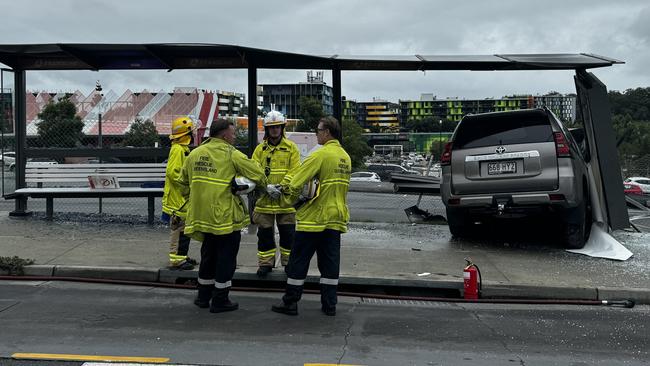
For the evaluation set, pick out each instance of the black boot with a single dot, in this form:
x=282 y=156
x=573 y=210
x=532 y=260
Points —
x=263 y=271
x=286 y=308
x=328 y=299
x=329 y=311
x=221 y=303
x=202 y=299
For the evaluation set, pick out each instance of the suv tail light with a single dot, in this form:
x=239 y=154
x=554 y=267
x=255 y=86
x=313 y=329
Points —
x=561 y=145
x=445 y=159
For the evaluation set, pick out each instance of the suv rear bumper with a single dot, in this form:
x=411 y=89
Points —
x=569 y=187
x=510 y=199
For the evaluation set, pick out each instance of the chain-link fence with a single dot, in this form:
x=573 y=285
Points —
x=74 y=122
x=635 y=166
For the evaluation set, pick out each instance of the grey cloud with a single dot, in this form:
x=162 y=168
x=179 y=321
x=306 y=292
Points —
x=616 y=29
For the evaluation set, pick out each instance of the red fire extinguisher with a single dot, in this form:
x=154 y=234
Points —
x=472 y=281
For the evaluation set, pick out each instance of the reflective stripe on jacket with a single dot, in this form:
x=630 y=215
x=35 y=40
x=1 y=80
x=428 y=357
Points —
x=329 y=210
x=208 y=173
x=173 y=202
x=279 y=162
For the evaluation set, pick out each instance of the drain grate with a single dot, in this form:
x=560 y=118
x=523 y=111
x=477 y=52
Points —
x=396 y=302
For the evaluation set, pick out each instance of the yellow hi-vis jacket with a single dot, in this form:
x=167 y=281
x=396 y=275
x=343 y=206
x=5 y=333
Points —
x=173 y=202
x=278 y=163
x=329 y=210
x=207 y=176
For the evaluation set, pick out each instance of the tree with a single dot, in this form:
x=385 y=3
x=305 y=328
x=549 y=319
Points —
x=430 y=124
x=142 y=133
x=421 y=125
x=59 y=124
x=311 y=111
x=631 y=121
x=243 y=111
x=354 y=143
x=241 y=136
x=633 y=102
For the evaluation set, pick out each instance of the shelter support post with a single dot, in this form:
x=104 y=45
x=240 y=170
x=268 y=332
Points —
x=20 y=129
x=252 y=134
x=336 y=89
x=252 y=110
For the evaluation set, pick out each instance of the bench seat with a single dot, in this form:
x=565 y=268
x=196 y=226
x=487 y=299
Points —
x=71 y=181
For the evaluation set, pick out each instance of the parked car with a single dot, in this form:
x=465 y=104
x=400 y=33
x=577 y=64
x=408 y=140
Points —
x=385 y=170
x=632 y=189
x=642 y=182
x=513 y=164
x=8 y=158
x=36 y=162
x=364 y=177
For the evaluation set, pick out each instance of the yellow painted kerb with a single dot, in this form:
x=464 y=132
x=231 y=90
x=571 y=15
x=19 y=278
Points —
x=65 y=357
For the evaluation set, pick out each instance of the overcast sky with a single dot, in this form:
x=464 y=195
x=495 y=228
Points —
x=617 y=29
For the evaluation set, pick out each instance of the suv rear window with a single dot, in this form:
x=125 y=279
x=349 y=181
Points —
x=503 y=129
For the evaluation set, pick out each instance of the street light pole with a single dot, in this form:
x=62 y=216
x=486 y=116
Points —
x=98 y=88
x=99 y=121
x=440 y=140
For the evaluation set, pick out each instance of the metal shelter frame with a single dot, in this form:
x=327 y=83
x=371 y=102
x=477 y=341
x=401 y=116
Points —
x=592 y=94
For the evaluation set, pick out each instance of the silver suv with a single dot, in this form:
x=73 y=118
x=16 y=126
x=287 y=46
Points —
x=512 y=164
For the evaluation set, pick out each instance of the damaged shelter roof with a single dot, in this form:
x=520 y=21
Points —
x=170 y=56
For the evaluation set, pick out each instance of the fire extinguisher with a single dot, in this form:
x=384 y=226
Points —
x=472 y=280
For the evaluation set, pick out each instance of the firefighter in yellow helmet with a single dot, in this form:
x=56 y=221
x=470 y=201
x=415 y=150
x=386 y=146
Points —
x=278 y=156
x=174 y=205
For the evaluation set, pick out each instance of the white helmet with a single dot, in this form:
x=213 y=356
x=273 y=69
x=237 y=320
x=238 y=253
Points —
x=310 y=190
x=242 y=185
x=274 y=118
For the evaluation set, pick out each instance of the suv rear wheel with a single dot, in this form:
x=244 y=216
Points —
x=578 y=224
x=458 y=221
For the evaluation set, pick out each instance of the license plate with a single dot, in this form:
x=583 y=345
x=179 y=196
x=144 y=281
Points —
x=502 y=167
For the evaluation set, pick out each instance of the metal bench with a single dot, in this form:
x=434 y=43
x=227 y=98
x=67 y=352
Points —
x=71 y=181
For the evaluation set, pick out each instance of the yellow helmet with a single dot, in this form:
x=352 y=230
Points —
x=181 y=126
x=274 y=118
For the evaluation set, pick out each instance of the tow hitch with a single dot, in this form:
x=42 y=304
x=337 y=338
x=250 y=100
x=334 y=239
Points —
x=501 y=203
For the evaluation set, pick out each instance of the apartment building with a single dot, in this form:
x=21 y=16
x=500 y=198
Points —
x=453 y=109
x=378 y=115
x=285 y=97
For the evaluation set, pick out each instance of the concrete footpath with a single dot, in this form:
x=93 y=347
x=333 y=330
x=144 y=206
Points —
x=372 y=255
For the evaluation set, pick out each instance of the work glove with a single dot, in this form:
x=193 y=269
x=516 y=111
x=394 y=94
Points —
x=274 y=191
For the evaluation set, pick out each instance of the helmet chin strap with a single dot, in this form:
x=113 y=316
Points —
x=183 y=140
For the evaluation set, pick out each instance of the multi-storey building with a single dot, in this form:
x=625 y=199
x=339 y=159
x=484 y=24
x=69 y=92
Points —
x=229 y=103
x=285 y=97
x=455 y=109
x=564 y=106
x=378 y=115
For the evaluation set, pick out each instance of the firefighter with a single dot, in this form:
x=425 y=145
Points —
x=320 y=221
x=278 y=156
x=215 y=215
x=173 y=204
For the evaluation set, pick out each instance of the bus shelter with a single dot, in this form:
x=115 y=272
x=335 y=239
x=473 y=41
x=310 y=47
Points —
x=592 y=101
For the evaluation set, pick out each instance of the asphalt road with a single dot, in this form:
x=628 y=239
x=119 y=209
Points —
x=110 y=320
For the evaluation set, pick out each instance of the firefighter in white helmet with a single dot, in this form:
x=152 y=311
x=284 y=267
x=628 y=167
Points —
x=320 y=220
x=278 y=156
x=174 y=206
x=213 y=178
